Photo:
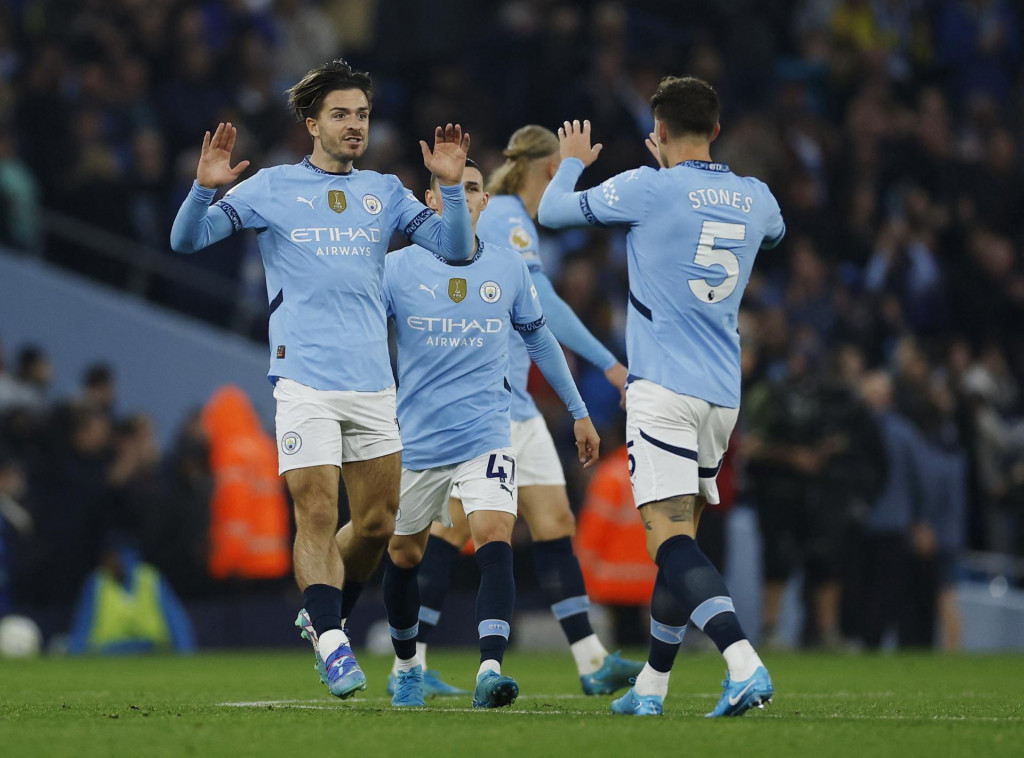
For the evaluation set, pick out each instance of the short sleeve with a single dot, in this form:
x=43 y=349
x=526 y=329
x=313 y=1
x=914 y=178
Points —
x=243 y=202
x=775 y=228
x=526 y=312
x=619 y=200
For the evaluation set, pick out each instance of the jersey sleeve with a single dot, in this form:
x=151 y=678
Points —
x=449 y=235
x=526 y=312
x=775 y=228
x=619 y=200
x=567 y=326
x=242 y=202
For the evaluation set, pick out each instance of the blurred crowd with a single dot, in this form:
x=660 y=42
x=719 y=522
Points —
x=79 y=482
x=883 y=348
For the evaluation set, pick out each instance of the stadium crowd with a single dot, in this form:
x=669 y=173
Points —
x=883 y=354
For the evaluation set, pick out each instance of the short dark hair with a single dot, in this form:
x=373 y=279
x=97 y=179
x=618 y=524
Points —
x=307 y=95
x=470 y=163
x=686 y=105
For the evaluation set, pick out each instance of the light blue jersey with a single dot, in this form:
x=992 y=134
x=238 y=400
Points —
x=323 y=238
x=694 y=231
x=506 y=222
x=453 y=322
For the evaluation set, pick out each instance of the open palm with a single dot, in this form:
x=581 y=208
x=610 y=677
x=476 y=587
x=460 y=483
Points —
x=215 y=159
x=447 y=161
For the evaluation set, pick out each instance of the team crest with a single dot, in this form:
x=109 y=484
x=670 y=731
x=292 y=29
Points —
x=336 y=200
x=372 y=205
x=457 y=290
x=291 y=442
x=519 y=238
x=490 y=292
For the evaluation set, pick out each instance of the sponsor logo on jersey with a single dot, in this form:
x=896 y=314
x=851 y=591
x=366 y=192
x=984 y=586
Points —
x=335 y=234
x=454 y=325
x=336 y=201
x=291 y=443
x=431 y=290
x=490 y=292
x=519 y=238
x=457 y=290
x=372 y=204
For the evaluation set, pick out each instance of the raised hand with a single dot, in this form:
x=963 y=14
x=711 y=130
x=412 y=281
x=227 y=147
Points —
x=448 y=159
x=574 y=142
x=215 y=159
x=588 y=444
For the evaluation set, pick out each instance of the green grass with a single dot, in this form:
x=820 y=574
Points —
x=255 y=704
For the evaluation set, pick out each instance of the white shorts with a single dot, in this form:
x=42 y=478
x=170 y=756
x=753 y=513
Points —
x=535 y=452
x=330 y=427
x=675 y=442
x=485 y=483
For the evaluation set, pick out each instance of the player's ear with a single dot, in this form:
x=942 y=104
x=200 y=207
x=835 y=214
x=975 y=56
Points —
x=487 y=196
x=662 y=132
x=552 y=167
x=312 y=127
x=430 y=200
x=715 y=132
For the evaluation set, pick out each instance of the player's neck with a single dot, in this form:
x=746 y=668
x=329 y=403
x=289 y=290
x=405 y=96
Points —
x=325 y=162
x=686 y=150
x=531 y=192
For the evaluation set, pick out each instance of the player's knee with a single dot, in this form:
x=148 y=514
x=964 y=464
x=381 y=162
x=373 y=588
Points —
x=406 y=556
x=375 y=527
x=554 y=525
x=316 y=514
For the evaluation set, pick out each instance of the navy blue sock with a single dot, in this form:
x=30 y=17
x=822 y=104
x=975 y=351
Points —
x=350 y=592
x=668 y=625
x=402 y=603
x=323 y=604
x=559 y=574
x=495 y=600
x=435 y=578
x=700 y=589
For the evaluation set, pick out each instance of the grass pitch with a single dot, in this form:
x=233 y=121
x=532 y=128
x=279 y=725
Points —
x=256 y=704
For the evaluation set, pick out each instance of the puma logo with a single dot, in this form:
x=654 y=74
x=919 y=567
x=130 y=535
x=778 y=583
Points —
x=433 y=294
x=309 y=202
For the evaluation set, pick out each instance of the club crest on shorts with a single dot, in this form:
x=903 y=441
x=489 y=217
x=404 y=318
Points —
x=336 y=201
x=490 y=292
x=457 y=290
x=291 y=442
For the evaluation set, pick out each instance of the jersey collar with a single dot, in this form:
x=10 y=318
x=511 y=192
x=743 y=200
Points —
x=316 y=169
x=706 y=166
x=479 y=252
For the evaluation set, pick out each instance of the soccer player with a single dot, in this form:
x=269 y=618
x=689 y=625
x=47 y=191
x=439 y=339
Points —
x=452 y=320
x=694 y=231
x=323 y=228
x=531 y=159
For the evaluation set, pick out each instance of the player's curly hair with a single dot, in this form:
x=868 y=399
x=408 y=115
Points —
x=526 y=144
x=686 y=105
x=307 y=95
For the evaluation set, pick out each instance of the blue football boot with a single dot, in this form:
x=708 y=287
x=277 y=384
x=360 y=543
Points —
x=632 y=704
x=433 y=685
x=494 y=690
x=614 y=674
x=309 y=633
x=739 y=697
x=344 y=677
x=408 y=688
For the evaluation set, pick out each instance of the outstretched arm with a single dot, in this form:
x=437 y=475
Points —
x=196 y=225
x=560 y=205
x=545 y=352
x=451 y=237
x=573 y=333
